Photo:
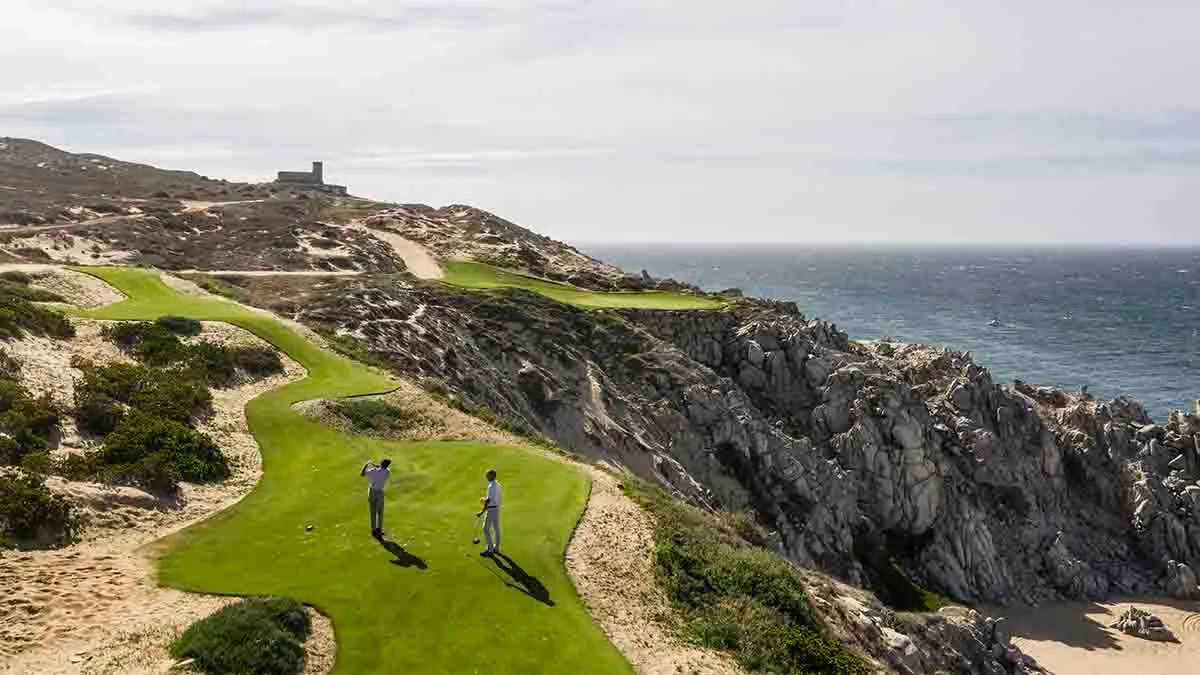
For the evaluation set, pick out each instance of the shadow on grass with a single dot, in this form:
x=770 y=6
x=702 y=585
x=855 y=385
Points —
x=521 y=580
x=403 y=557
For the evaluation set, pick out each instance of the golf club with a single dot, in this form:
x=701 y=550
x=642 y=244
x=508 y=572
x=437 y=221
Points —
x=478 y=522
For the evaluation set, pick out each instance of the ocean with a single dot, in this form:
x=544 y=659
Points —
x=1122 y=321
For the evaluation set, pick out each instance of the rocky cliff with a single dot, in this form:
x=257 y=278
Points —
x=855 y=455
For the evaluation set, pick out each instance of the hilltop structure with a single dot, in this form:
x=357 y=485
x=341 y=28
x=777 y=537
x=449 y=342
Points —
x=314 y=179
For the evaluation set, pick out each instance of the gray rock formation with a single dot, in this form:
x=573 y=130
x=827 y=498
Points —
x=952 y=640
x=848 y=452
x=1140 y=623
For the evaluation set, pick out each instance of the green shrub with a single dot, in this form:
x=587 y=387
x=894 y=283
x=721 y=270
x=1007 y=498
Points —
x=736 y=596
x=30 y=513
x=181 y=325
x=96 y=412
x=150 y=343
x=214 y=285
x=17 y=277
x=10 y=368
x=157 y=344
x=38 y=463
x=28 y=423
x=19 y=314
x=899 y=592
x=16 y=284
x=264 y=636
x=157 y=453
x=257 y=361
x=105 y=391
x=371 y=415
x=221 y=365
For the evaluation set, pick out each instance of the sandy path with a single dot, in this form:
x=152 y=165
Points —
x=274 y=273
x=196 y=205
x=1074 y=638
x=419 y=261
x=610 y=563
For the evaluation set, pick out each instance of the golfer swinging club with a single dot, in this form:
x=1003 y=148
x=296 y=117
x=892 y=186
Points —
x=377 y=476
x=491 y=521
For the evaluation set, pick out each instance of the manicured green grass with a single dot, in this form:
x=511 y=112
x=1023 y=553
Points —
x=485 y=277
x=433 y=606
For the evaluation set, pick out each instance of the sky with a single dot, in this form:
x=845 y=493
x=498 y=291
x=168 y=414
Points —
x=752 y=121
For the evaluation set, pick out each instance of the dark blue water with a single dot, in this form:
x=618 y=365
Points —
x=1121 y=321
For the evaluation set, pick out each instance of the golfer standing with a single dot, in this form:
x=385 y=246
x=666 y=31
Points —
x=491 y=515
x=377 y=476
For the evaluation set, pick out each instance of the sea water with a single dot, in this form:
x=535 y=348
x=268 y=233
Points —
x=1120 y=321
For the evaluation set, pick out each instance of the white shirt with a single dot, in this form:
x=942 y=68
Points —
x=493 y=494
x=378 y=477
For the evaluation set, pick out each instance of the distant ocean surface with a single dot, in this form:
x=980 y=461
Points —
x=1121 y=321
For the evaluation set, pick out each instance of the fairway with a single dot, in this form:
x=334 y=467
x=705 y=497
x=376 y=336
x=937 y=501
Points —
x=486 y=277
x=424 y=603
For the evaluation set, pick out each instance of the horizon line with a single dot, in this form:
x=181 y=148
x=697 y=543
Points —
x=889 y=244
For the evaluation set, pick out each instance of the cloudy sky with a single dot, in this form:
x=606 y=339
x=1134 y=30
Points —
x=652 y=120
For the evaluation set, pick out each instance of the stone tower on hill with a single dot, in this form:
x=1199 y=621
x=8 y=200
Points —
x=314 y=179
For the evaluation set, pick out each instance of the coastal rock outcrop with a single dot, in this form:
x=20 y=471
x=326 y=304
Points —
x=856 y=456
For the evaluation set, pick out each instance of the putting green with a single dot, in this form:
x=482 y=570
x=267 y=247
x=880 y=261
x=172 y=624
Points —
x=486 y=277
x=426 y=603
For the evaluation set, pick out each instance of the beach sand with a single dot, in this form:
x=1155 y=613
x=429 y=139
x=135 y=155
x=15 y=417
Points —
x=1074 y=638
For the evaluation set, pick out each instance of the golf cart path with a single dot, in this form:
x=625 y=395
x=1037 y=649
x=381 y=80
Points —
x=274 y=273
x=419 y=261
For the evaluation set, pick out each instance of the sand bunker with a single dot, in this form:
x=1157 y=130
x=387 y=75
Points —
x=1075 y=638
x=609 y=560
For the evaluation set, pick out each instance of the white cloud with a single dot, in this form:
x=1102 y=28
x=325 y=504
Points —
x=589 y=119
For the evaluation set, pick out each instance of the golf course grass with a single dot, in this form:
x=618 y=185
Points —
x=423 y=602
x=485 y=277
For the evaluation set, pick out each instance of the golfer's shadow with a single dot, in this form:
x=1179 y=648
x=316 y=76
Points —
x=521 y=580
x=403 y=558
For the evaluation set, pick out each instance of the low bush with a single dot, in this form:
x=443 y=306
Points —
x=17 y=277
x=898 y=591
x=156 y=453
x=264 y=636
x=19 y=314
x=105 y=392
x=10 y=368
x=157 y=344
x=28 y=423
x=213 y=285
x=371 y=415
x=30 y=513
x=150 y=343
x=880 y=555
x=221 y=365
x=736 y=596
x=181 y=325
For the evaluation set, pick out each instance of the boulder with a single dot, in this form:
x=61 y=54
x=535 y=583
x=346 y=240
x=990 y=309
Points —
x=1181 y=581
x=1145 y=625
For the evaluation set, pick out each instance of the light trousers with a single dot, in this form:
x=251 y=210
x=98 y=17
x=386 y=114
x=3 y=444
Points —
x=375 y=500
x=491 y=529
